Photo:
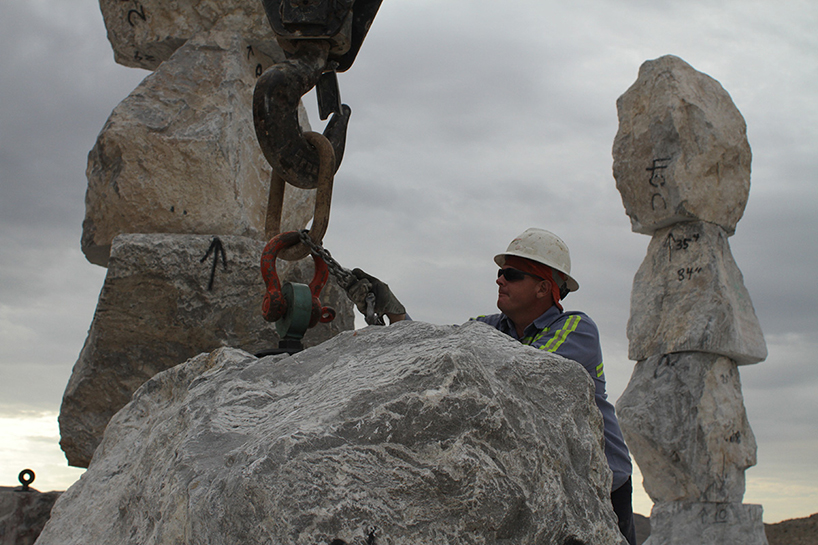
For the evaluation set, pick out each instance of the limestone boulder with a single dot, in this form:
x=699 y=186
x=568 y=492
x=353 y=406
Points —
x=180 y=155
x=411 y=433
x=681 y=152
x=706 y=523
x=689 y=295
x=684 y=420
x=144 y=33
x=23 y=514
x=155 y=311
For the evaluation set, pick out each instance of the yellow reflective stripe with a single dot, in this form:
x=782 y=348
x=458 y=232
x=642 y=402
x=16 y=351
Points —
x=559 y=337
x=540 y=335
x=599 y=370
x=535 y=338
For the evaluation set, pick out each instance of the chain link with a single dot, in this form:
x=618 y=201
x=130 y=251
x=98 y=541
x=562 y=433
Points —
x=344 y=276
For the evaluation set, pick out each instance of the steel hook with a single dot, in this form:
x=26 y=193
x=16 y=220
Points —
x=275 y=113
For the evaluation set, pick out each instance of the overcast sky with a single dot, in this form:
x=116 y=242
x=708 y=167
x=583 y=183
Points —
x=472 y=120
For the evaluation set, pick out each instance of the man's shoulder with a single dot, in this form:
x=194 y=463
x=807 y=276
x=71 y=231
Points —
x=573 y=335
x=490 y=319
x=579 y=322
x=583 y=317
x=553 y=318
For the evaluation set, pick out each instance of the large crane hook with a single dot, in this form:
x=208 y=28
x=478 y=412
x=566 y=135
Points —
x=275 y=112
x=320 y=38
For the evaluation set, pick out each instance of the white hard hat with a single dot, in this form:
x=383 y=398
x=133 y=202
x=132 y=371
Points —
x=543 y=247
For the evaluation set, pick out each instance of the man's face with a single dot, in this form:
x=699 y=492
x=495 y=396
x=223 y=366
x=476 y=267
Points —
x=517 y=296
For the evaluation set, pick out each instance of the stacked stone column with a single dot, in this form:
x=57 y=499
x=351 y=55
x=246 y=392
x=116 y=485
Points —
x=176 y=164
x=180 y=155
x=682 y=166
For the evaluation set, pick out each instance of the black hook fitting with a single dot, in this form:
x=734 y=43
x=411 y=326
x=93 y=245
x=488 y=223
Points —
x=343 y=24
x=275 y=112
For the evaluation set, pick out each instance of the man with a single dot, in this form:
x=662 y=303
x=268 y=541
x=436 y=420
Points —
x=534 y=276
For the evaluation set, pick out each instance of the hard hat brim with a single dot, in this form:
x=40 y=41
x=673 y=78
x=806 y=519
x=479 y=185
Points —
x=500 y=259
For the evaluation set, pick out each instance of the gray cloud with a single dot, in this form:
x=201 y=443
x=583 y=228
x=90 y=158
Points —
x=58 y=86
x=472 y=120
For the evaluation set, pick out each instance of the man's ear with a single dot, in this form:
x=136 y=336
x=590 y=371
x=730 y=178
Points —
x=544 y=289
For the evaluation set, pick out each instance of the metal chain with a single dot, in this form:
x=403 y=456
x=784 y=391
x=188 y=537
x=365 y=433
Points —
x=344 y=276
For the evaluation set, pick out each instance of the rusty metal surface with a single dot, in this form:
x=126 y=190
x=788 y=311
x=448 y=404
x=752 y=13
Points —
x=275 y=112
x=320 y=37
x=275 y=305
x=323 y=200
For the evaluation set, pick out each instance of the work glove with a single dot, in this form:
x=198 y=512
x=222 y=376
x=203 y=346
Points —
x=385 y=300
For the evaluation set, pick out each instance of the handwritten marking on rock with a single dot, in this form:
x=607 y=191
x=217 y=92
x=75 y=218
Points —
x=687 y=273
x=657 y=179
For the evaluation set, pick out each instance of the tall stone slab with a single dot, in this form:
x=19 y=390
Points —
x=683 y=418
x=156 y=310
x=682 y=166
x=689 y=295
x=180 y=155
x=681 y=152
x=412 y=433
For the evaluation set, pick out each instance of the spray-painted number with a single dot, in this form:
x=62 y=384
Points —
x=681 y=243
x=720 y=515
x=657 y=180
x=139 y=57
x=687 y=273
x=251 y=53
x=136 y=13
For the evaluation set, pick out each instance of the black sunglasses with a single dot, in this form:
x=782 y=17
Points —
x=515 y=275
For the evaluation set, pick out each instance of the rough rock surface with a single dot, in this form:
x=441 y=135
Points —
x=23 y=514
x=803 y=531
x=642 y=524
x=431 y=434
x=689 y=295
x=144 y=33
x=180 y=155
x=684 y=420
x=155 y=311
x=681 y=152
x=678 y=523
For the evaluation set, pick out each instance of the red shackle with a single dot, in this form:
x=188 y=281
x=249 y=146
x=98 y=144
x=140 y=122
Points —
x=274 y=305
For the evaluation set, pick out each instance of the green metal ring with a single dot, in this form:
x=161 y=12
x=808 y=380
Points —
x=296 y=320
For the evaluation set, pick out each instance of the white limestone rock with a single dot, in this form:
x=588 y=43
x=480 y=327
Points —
x=684 y=420
x=680 y=523
x=180 y=155
x=681 y=152
x=155 y=311
x=144 y=33
x=689 y=295
x=431 y=434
